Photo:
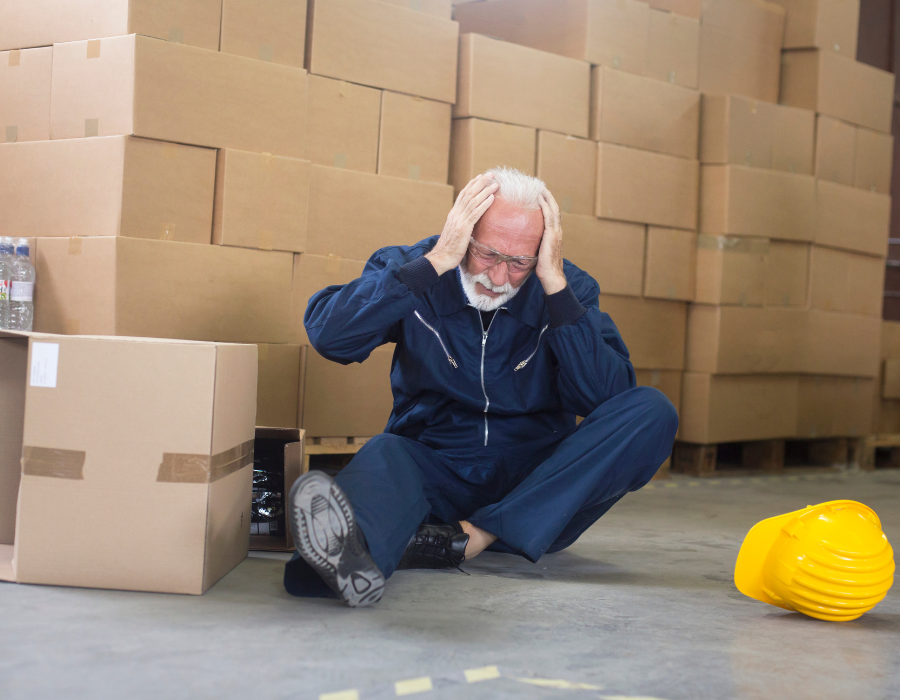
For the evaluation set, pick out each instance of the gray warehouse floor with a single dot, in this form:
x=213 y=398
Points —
x=642 y=606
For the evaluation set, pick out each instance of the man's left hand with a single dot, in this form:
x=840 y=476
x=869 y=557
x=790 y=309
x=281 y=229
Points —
x=550 y=258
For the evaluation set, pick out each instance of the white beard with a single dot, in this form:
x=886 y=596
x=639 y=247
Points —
x=483 y=302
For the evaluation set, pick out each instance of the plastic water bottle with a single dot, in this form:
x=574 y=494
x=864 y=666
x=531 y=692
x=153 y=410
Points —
x=21 y=296
x=6 y=262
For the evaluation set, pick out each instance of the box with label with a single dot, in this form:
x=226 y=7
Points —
x=135 y=85
x=653 y=329
x=274 y=30
x=612 y=252
x=383 y=45
x=107 y=186
x=414 y=138
x=671 y=262
x=25 y=94
x=831 y=25
x=261 y=201
x=277 y=394
x=126 y=463
x=477 y=145
x=851 y=218
x=161 y=289
x=343 y=120
x=311 y=274
x=515 y=84
x=568 y=166
x=673 y=48
x=731 y=270
x=787 y=274
x=844 y=281
x=835 y=406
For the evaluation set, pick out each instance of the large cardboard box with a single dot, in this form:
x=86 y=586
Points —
x=353 y=214
x=278 y=388
x=787 y=274
x=343 y=120
x=135 y=85
x=477 y=145
x=25 y=94
x=673 y=48
x=382 y=45
x=107 y=186
x=311 y=274
x=843 y=281
x=348 y=400
x=731 y=270
x=126 y=463
x=612 y=252
x=874 y=160
x=653 y=329
x=261 y=201
x=841 y=344
x=670 y=265
x=835 y=150
x=834 y=406
x=666 y=380
x=568 y=166
x=515 y=84
x=274 y=30
x=740 y=48
x=414 y=139
x=742 y=131
x=27 y=23
x=161 y=289
x=645 y=187
x=840 y=87
x=756 y=202
x=732 y=408
x=631 y=110
x=890 y=379
x=825 y=24
x=851 y=218
x=438 y=8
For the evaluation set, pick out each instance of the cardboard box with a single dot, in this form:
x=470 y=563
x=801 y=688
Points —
x=890 y=387
x=311 y=274
x=673 y=49
x=568 y=166
x=740 y=48
x=756 y=202
x=382 y=45
x=261 y=201
x=277 y=393
x=161 y=289
x=631 y=110
x=25 y=94
x=732 y=408
x=853 y=219
x=415 y=138
x=353 y=214
x=612 y=252
x=731 y=270
x=155 y=437
x=671 y=262
x=742 y=131
x=110 y=186
x=343 y=122
x=842 y=281
x=348 y=400
x=835 y=150
x=274 y=30
x=438 y=8
x=515 y=84
x=834 y=406
x=667 y=381
x=611 y=33
x=477 y=145
x=825 y=24
x=874 y=159
x=841 y=344
x=645 y=187
x=134 y=85
x=837 y=86
x=653 y=330
x=688 y=8
x=27 y=23
x=787 y=274
x=890 y=340
x=279 y=453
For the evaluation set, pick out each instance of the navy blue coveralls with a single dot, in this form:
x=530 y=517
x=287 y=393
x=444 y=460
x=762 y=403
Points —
x=483 y=423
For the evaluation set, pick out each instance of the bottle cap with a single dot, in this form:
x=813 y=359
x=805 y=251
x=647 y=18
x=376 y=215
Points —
x=22 y=249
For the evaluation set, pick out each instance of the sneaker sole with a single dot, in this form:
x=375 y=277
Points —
x=325 y=534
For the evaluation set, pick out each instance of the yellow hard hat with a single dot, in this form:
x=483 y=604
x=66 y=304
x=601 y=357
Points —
x=831 y=561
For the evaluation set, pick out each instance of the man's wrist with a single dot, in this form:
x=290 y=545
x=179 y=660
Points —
x=554 y=284
x=439 y=264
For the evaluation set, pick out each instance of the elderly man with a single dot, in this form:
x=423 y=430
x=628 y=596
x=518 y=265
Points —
x=500 y=345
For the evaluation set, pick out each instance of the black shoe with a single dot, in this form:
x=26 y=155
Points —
x=326 y=536
x=441 y=546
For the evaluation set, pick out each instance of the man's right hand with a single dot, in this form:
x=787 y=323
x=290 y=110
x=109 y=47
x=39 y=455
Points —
x=473 y=200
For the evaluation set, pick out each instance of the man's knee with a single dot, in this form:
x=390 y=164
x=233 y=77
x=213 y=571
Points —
x=657 y=409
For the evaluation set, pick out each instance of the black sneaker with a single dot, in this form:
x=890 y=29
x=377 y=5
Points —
x=326 y=536
x=441 y=546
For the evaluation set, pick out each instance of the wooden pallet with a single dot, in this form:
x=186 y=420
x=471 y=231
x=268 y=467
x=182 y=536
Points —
x=331 y=446
x=880 y=451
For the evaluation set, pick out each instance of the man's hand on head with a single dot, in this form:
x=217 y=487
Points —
x=550 y=258
x=473 y=200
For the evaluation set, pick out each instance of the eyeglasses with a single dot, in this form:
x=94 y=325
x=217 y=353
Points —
x=490 y=257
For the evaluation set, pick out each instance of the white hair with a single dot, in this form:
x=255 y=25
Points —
x=483 y=302
x=517 y=188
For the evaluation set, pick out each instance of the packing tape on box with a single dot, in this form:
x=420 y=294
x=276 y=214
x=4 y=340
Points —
x=266 y=240
x=52 y=462
x=415 y=172
x=74 y=245
x=91 y=127
x=177 y=468
x=655 y=377
x=176 y=35
x=262 y=352
x=343 y=88
x=266 y=52
x=93 y=48
x=271 y=159
x=12 y=134
x=73 y=326
x=167 y=232
x=340 y=160
x=733 y=244
x=332 y=264
x=15 y=57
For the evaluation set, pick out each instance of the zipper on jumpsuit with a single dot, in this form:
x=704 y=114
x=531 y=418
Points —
x=438 y=336
x=484 y=337
x=533 y=352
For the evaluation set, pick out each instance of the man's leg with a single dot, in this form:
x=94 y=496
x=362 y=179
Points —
x=616 y=449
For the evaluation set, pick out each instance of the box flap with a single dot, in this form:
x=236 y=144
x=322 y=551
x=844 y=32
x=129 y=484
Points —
x=7 y=563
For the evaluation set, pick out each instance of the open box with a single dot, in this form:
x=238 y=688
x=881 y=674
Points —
x=278 y=451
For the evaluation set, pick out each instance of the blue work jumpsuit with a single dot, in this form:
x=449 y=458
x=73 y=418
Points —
x=483 y=423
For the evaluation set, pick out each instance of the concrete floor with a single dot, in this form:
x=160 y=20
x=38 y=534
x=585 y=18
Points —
x=642 y=606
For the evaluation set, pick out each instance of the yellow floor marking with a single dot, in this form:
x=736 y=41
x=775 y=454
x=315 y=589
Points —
x=340 y=695
x=736 y=481
x=793 y=478
x=670 y=485
x=649 y=486
x=558 y=683
x=755 y=481
x=486 y=673
x=413 y=685
x=693 y=483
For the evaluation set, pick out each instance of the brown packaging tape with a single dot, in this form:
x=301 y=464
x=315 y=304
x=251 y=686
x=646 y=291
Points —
x=342 y=88
x=262 y=352
x=266 y=240
x=167 y=232
x=91 y=127
x=75 y=245
x=93 y=48
x=176 y=35
x=15 y=56
x=340 y=160
x=266 y=52
x=73 y=326
x=204 y=469
x=733 y=244
x=415 y=172
x=332 y=264
x=12 y=134
x=58 y=464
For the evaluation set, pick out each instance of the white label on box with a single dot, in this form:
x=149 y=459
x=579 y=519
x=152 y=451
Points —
x=22 y=291
x=44 y=362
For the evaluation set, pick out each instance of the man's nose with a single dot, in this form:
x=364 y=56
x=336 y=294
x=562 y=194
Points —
x=499 y=274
